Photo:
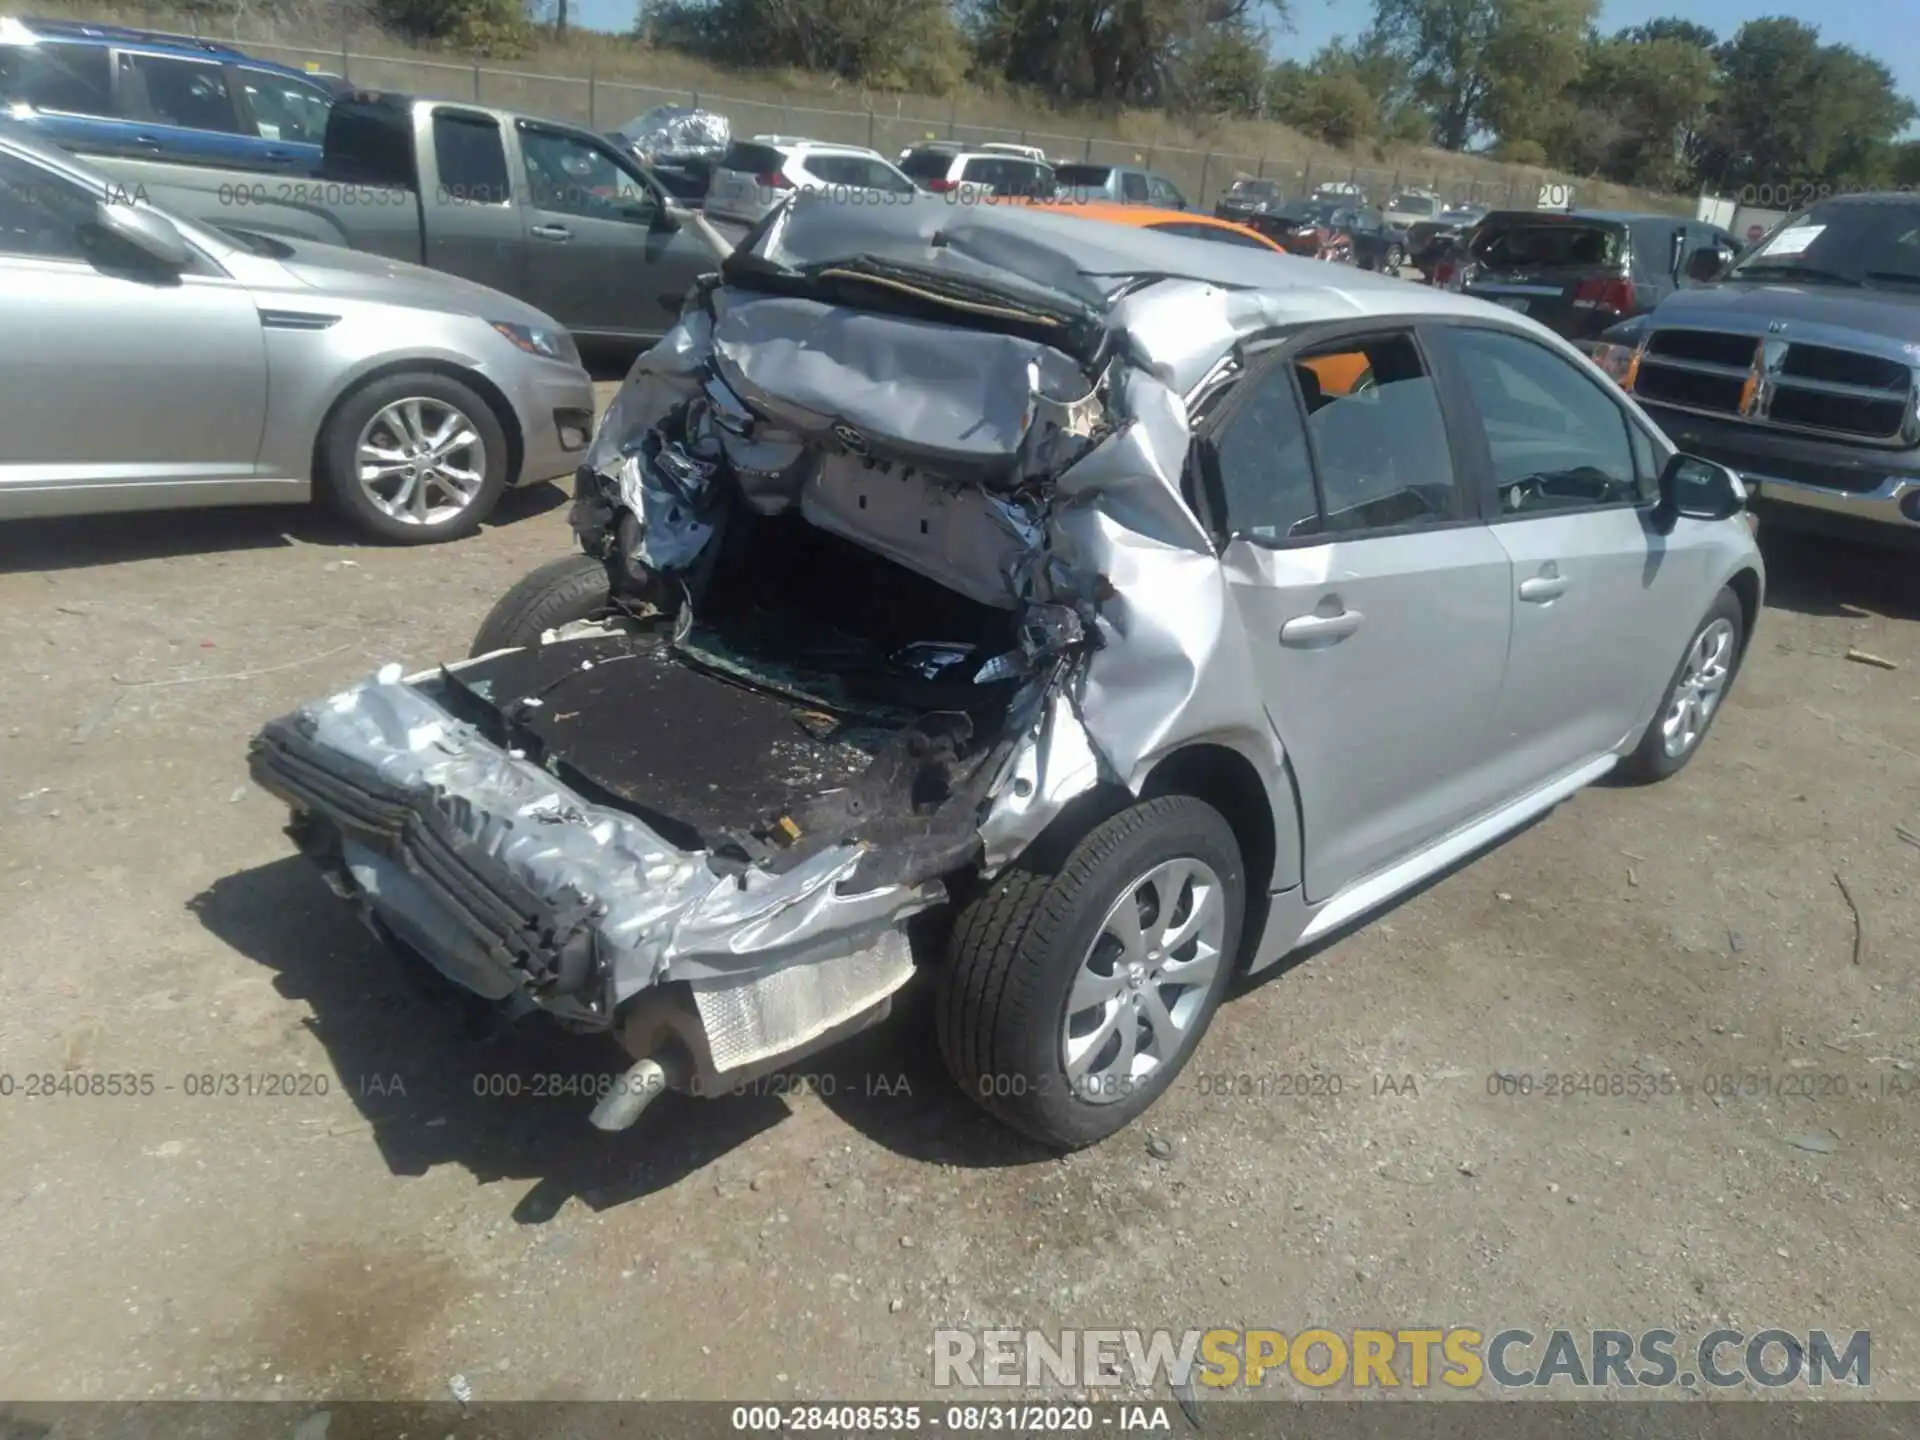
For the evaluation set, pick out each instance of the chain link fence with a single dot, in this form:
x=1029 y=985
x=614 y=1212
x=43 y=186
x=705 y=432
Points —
x=1201 y=175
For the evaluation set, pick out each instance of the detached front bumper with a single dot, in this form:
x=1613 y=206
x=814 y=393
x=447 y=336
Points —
x=523 y=892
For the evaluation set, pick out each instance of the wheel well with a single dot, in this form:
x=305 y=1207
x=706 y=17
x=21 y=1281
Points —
x=1227 y=781
x=1746 y=588
x=495 y=398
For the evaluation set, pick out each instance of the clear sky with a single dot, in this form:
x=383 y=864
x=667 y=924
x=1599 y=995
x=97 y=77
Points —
x=1888 y=30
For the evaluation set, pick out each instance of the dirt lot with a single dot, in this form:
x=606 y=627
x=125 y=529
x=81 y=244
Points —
x=398 y=1229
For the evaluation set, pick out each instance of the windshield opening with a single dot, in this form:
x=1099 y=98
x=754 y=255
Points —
x=1857 y=242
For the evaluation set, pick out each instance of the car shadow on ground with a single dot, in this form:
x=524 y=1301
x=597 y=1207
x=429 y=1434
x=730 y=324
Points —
x=436 y=1084
x=81 y=541
x=1816 y=575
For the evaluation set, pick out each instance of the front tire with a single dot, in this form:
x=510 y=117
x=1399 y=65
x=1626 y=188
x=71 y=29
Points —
x=414 y=459
x=1693 y=696
x=574 y=587
x=1071 y=998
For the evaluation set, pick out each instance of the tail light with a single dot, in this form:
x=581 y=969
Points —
x=773 y=180
x=1443 y=272
x=943 y=187
x=1612 y=292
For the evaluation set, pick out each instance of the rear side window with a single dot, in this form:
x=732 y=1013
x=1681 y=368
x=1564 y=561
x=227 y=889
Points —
x=1091 y=177
x=189 y=93
x=1266 y=476
x=1653 y=242
x=284 y=108
x=69 y=79
x=751 y=159
x=1379 y=442
x=1520 y=246
x=369 y=145
x=471 y=159
x=927 y=164
x=1195 y=231
x=858 y=171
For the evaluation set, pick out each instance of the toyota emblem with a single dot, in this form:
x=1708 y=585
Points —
x=852 y=439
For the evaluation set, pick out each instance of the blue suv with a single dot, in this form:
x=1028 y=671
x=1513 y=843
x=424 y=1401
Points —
x=109 y=90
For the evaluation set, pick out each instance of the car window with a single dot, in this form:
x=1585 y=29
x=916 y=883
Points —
x=924 y=165
x=1133 y=186
x=67 y=79
x=189 y=93
x=573 y=176
x=1521 y=245
x=1381 y=447
x=1083 y=177
x=1653 y=242
x=286 y=109
x=40 y=216
x=1557 y=439
x=1196 y=231
x=472 y=159
x=859 y=171
x=751 y=159
x=1411 y=204
x=1266 y=477
x=1163 y=192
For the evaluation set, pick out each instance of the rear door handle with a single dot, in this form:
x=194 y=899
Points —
x=1310 y=630
x=552 y=232
x=1542 y=588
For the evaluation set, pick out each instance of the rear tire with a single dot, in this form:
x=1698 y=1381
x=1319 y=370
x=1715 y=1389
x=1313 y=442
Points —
x=571 y=588
x=1694 y=696
x=1035 y=971
x=457 y=489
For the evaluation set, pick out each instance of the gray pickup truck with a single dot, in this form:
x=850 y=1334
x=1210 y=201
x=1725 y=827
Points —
x=1800 y=369
x=553 y=215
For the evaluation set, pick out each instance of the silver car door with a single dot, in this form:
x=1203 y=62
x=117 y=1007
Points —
x=1374 y=599
x=1603 y=602
x=114 y=377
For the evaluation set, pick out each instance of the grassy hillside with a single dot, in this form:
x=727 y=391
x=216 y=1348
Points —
x=605 y=79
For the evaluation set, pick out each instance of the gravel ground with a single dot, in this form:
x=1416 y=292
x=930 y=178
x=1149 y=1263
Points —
x=376 y=1239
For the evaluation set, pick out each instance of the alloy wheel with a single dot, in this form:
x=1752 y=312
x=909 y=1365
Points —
x=1696 y=694
x=1144 y=982
x=420 y=461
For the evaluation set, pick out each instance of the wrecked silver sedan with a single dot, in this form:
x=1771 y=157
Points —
x=1083 y=613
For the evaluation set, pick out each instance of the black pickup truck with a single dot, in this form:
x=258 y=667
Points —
x=553 y=215
x=1799 y=368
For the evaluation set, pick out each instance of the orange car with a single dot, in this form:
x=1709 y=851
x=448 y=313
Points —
x=1172 y=222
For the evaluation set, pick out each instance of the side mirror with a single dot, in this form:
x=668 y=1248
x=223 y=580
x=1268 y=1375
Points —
x=1700 y=489
x=146 y=231
x=1707 y=263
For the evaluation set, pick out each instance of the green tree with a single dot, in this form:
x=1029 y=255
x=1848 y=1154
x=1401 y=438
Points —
x=889 y=44
x=1350 y=92
x=1794 y=112
x=1121 y=52
x=1483 y=66
x=1223 y=72
x=1635 y=112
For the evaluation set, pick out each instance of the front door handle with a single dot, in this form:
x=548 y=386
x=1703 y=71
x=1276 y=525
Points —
x=552 y=232
x=1542 y=588
x=1310 y=630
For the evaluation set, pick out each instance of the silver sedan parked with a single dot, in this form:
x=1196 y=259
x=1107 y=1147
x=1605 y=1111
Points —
x=1083 y=614
x=150 y=363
